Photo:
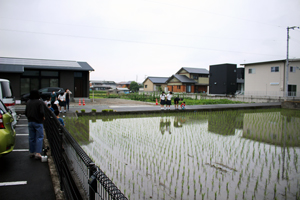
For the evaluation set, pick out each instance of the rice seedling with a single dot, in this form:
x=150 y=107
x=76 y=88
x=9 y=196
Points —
x=132 y=150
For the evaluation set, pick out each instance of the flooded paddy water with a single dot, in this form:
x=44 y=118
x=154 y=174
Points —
x=202 y=155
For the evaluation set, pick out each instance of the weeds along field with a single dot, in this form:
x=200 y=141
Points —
x=204 y=155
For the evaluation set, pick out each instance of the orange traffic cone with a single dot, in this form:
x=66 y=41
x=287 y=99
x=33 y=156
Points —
x=79 y=102
x=83 y=103
x=156 y=102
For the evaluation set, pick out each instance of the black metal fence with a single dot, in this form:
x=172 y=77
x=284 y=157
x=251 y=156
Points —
x=79 y=177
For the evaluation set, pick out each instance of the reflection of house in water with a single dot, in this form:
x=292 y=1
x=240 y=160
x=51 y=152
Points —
x=80 y=130
x=272 y=127
x=225 y=123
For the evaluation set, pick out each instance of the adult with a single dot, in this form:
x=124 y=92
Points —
x=34 y=112
x=68 y=94
x=62 y=101
x=169 y=98
x=53 y=98
x=176 y=102
x=162 y=99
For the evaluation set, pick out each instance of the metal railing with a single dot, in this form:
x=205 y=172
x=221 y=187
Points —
x=79 y=177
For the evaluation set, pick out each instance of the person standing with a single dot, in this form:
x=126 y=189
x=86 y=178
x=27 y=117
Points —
x=169 y=98
x=53 y=98
x=162 y=100
x=34 y=112
x=68 y=94
x=62 y=101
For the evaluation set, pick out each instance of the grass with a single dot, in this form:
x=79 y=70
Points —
x=155 y=96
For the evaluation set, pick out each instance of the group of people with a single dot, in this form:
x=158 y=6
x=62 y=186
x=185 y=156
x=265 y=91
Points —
x=166 y=100
x=62 y=100
x=35 y=114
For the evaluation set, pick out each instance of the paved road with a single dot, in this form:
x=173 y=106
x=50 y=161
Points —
x=29 y=178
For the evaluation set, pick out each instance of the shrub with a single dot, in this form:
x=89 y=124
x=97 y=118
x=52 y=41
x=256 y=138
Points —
x=94 y=110
x=108 y=110
x=82 y=110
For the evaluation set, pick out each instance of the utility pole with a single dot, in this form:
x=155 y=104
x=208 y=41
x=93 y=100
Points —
x=287 y=62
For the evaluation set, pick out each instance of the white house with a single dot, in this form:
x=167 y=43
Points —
x=268 y=78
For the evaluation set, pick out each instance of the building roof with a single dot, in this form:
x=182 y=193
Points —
x=103 y=82
x=158 y=80
x=17 y=65
x=182 y=78
x=194 y=70
x=271 y=61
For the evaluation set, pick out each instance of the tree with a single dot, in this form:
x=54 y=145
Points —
x=134 y=86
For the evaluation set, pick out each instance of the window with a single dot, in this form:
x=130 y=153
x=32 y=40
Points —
x=275 y=69
x=195 y=77
x=292 y=90
x=178 y=87
x=251 y=71
x=145 y=86
x=292 y=69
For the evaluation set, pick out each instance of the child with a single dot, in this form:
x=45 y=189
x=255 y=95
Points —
x=182 y=105
x=162 y=100
x=169 y=98
x=49 y=106
x=56 y=112
x=62 y=101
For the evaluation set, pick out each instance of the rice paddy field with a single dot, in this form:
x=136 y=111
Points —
x=201 y=155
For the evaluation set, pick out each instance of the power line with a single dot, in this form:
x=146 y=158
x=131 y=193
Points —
x=129 y=41
x=153 y=32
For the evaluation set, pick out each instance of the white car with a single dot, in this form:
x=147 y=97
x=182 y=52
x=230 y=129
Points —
x=7 y=98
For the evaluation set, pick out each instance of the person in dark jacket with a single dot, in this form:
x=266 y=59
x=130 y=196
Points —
x=34 y=112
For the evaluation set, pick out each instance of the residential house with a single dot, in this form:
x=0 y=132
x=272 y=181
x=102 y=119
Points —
x=152 y=83
x=223 y=79
x=26 y=74
x=102 y=85
x=269 y=78
x=189 y=80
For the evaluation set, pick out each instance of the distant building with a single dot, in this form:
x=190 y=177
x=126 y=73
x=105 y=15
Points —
x=102 y=85
x=152 y=83
x=223 y=79
x=268 y=78
x=26 y=74
x=189 y=80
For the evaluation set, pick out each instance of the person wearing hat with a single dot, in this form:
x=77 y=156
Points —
x=34 y=112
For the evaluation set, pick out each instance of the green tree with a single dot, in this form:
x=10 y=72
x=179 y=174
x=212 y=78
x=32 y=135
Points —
x=134 y=86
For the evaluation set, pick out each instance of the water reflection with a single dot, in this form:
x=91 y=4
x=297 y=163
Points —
x=272 y=128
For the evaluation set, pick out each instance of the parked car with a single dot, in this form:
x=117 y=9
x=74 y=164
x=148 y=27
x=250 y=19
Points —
x=6 y=95
x=7 y=131
x=44 y=92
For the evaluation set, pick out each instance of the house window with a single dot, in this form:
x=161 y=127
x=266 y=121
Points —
x=251 y=71
x=178 y=87
x=292 y=69
x=145 y=86
x=275 y=69
x=195 y=77
x=292 y=90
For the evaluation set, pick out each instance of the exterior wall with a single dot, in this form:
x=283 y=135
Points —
x=15 y=83
x=263 y=81
x=66 y=80
x=173 y=88
x=294 y=77
x=149 y=85
x=203 y=80
x=183 y=72
x=200 y=88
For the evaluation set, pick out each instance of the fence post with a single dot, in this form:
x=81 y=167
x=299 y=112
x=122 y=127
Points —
x=92 y=181
x=60 y=143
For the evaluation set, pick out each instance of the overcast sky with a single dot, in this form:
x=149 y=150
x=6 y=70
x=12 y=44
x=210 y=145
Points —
x=126 y=40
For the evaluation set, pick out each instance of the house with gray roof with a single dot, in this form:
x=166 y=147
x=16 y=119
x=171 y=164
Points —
x=189 y=80
x=152 y=83
x=26 y=74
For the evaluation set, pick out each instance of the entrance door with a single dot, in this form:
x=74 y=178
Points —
x=188 y=88
x=78 y=87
